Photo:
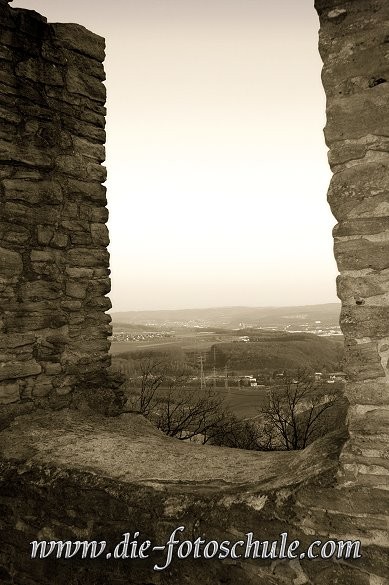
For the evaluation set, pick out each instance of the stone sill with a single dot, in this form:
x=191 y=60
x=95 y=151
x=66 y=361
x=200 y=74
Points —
x=129 y=450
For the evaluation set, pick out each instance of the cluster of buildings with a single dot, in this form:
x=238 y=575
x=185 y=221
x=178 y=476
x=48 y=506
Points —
x=144 y=336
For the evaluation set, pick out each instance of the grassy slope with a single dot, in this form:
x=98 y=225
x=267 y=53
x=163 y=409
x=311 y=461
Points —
x=288 y=352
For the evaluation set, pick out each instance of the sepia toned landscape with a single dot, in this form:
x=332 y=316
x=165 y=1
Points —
x=240 y=444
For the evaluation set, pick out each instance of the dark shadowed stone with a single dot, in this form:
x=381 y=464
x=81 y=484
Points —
x=26 y=215
x=32 y=291
x=15 y=340
x=26 y=154
x=94 y=214
x=33 y=191
x=81 y=83
x=80 y=166
x=11 y=263
x=89 y=149
x=9 y=393
x=87 y=257
x=14 y=234
x=9 y=115
x=341 y=575
x=36 y=70
x=81 y=62
x=100 y=235
x=19 y=369
x=84 y=129
x=76 y=290
x=79 y=39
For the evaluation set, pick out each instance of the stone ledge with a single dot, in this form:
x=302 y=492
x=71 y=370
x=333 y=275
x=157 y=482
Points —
x=128 y=449
x=77 y=475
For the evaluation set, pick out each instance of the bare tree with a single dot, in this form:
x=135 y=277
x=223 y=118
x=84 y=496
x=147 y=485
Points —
x=295 y=410
x=242 y=434
x=188 y=413
x=292 y=418
x=148 y=377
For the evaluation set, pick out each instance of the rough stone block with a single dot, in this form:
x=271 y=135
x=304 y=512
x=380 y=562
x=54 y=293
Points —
x=82 y=128
x=351 y=289
x=44 y=256
x=363 y=360
x=26 y=215
x=60 y=240
x=87 y=257
x=19 y=370
x=80 y=166
x=89 y=190
x=100 y=235
x=365 y=321
x=360 y=191
x=11 y=263
x=9 y=115
x=13 y=234
x=42 y=386
x=368 y=392
x=81 y=83
x=79 y=39
x=9 y=393
x=36 y=70
x=51 y=145
x=53 y=369
x=362 y=253
x=27 y=154
x=80 y=62
x=358 y=115
x=40 y=289
x=33 y=192
x=45 y=234
x=76 y=290
x=89 y=149
x=80 y=239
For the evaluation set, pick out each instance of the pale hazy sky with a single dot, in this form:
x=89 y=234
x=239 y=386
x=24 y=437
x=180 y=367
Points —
x=217 y=166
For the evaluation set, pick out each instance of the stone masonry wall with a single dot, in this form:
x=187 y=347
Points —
x=354 y=45
x=80 y=475
x=53 y=260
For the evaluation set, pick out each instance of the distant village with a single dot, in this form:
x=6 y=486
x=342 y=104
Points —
x=166 y=330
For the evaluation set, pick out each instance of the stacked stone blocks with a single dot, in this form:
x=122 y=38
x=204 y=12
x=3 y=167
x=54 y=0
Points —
x=354 y=45
x=54 y=271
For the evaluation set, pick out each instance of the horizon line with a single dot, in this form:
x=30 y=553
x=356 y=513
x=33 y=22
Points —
x=224 y=307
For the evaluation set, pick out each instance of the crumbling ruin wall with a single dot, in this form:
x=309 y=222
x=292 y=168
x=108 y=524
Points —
x=54 y=264
x=79 y=475
x=354 y=45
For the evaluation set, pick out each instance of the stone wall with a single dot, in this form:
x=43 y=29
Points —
x=53 y=260
x=78 y=475
x=354 y=45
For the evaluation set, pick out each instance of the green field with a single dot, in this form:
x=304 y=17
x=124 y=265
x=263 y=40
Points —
x=244 y=402
x=200 y=341
x=265 y=352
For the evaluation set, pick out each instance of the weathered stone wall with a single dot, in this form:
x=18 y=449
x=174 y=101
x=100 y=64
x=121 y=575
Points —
x=53 y=259
x=78 y=475
x=354 y=45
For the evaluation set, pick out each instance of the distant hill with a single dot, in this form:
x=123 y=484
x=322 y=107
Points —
x=283 y=352
x=228 y=317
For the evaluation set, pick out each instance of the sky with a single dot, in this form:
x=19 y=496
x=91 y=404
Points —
x=217 y=165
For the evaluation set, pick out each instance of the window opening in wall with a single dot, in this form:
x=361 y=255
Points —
x=223 y=277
